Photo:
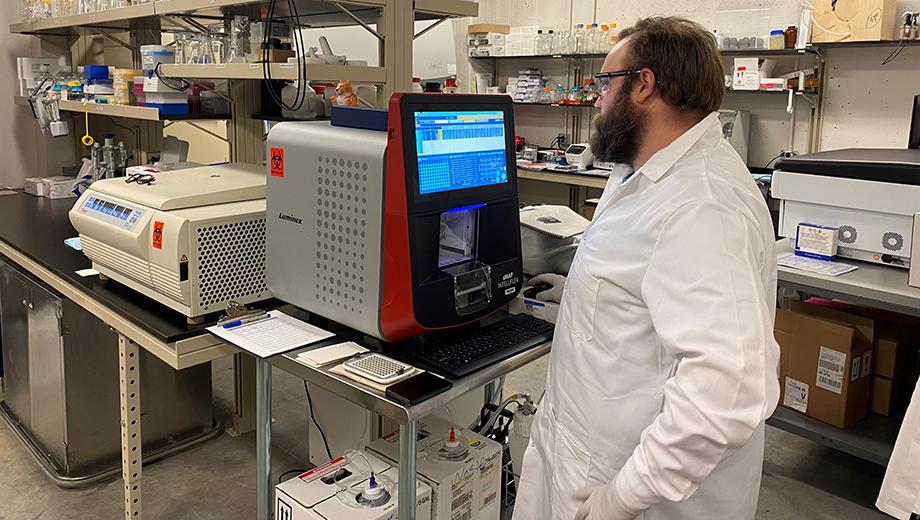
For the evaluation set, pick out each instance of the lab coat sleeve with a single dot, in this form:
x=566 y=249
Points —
x=706 y=297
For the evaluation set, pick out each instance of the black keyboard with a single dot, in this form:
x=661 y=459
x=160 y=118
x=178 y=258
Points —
x=490 y=344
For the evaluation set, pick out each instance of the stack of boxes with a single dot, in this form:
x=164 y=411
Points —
x=529 y=85
x=488 y=39
x=156 y=93
x=838 y=362
x=522 y=41
x=167 y=100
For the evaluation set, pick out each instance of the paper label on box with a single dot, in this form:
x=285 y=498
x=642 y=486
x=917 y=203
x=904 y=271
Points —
x=535 y=308
x=487 y=471
x=854 y=370
x=795 y=395
x=831 y=367
x=866 y=364
x=461 y=496
x=819 y=240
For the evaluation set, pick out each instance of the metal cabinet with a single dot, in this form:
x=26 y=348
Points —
x=61 y=380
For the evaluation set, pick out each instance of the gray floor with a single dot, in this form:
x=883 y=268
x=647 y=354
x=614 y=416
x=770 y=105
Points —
x=215 y=480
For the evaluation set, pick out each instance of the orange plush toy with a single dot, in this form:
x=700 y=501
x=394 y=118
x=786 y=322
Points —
x=346 y=94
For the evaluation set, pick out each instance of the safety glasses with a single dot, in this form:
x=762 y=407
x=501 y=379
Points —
x=605 y=79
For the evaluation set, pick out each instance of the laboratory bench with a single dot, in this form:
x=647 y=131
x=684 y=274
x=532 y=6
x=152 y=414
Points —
x=102 y=342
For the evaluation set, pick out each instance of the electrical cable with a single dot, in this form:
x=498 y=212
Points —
x=300 y=95
x=773 y=160
x=185 y=84
x=906 y=19
x=315 y=422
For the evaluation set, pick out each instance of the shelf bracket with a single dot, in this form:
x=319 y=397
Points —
x=438 y=22
x=195 y=23
x=198 y=127
x=108 y=36
x=358 y=21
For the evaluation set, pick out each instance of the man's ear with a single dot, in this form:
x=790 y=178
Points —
x=645 y=87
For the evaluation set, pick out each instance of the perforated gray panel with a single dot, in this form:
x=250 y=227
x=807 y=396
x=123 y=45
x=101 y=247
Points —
x=231 y=262
x=341 y=231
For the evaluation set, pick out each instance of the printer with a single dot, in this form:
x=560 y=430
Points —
x=400 y=222
x=870 y=195
x=191 y=239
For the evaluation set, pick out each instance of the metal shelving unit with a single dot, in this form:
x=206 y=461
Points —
x=280 y=71
x=124 y=111
x=111 y=18
x=871 y=439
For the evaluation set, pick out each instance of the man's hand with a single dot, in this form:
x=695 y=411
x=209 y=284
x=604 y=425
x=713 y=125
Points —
x=556 y=283
x=602 y=503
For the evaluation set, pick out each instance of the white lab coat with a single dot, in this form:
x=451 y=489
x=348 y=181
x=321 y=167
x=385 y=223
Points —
x=900 y=493
x=664 y=366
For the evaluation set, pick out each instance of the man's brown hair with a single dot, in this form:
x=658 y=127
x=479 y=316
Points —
x=684 y=58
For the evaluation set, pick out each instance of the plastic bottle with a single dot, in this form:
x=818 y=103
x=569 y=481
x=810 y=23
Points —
x=613 y=35
x=542 y=44
x=578 y=40
x=594 y=38
x=777 y=39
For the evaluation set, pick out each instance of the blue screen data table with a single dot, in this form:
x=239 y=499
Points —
x=458 y=150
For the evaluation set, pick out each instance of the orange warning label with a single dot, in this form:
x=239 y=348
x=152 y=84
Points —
x=158 y=235
x=277 y=162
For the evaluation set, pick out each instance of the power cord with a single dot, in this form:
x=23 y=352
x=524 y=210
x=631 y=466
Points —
x=315 y=422
x=300 y=96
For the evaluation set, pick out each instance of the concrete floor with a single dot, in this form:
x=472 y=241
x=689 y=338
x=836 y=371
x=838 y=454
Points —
x=216 y=480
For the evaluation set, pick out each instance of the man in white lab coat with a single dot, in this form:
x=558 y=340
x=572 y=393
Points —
x=664 y=365
x=900 y=493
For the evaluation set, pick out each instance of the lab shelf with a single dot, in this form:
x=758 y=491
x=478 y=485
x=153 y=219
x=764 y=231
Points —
x=321 y=13
x=125 y=111
x=280 y=71
x=766 y=53
x=107 y=18
x=554 y=105
x=859 y=45
x=871 y=439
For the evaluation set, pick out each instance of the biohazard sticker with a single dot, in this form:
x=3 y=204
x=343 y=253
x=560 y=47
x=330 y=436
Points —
x=277 y=162
x=158 y=235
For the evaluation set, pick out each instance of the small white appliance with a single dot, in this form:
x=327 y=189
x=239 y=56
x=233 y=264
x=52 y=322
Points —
x=579 y=155
x=870 y=195
x=192 y=239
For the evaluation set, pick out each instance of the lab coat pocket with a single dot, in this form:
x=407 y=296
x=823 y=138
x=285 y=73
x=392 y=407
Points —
x=580 y=303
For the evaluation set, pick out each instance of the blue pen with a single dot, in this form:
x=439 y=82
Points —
x=244 y=321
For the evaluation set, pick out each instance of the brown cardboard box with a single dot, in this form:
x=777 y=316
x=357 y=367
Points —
x=886 y=355
x=880 y=402
x=825 y=363
x=854 y=21
x=489 y=28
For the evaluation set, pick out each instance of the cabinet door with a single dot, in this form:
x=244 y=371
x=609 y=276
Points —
x=46 y=371
x=14 y=315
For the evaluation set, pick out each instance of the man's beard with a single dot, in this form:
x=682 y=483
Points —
x=618 y=132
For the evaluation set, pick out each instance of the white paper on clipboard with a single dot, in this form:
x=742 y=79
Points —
x=278 y=334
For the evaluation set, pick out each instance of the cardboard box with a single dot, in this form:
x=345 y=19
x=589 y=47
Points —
x=854 y=21
x=468 y=488
x=881 y=401
x=825 y=362
x=303 y=499
x=489 y=28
